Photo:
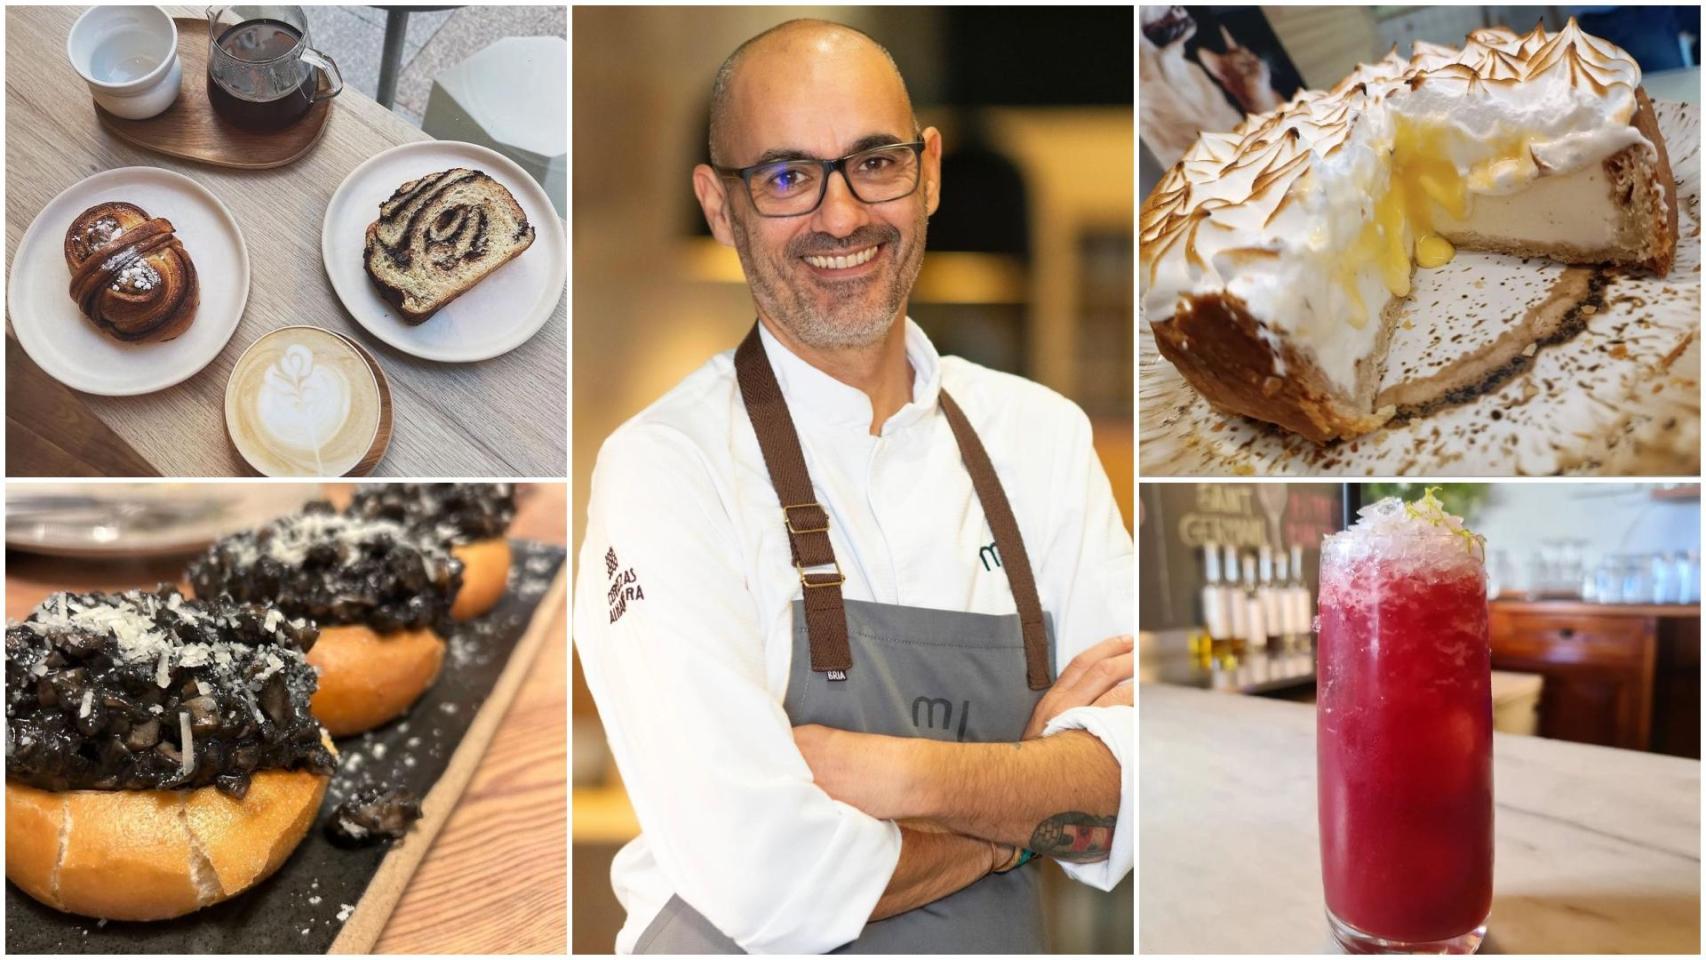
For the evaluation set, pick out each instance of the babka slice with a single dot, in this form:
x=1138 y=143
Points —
x=1272 y=256
x=441 y=234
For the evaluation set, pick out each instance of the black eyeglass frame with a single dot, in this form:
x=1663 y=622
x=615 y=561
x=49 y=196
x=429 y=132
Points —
x=826 y=167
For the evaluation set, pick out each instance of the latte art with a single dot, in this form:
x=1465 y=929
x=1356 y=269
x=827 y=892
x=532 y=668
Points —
x=303 y=402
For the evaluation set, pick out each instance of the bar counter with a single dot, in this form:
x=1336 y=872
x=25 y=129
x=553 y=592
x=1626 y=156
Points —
x=1597 y=850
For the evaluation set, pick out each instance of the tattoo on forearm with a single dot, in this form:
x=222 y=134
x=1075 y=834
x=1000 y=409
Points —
x=1074 y=837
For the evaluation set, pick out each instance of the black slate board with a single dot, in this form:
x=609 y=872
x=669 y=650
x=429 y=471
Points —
x=297 y=909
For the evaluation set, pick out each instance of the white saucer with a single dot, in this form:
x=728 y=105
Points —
x=67 y=346
x=501 y=312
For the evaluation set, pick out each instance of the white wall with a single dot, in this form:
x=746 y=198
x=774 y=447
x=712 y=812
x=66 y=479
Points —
x=1611 y=517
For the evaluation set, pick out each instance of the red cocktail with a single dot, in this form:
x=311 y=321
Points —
x=1404 y=733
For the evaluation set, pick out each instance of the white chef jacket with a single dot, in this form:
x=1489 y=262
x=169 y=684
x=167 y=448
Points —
x=683 y=621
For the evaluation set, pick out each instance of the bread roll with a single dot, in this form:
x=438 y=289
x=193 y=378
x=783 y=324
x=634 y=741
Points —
x=485 y=574
x=369 y=678
x=154 y=854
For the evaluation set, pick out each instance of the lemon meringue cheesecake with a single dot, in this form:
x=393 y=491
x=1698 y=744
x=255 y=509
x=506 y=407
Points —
x=1272 y=256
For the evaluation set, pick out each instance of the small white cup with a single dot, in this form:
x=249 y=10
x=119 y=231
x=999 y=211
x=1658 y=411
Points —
x=129 y=58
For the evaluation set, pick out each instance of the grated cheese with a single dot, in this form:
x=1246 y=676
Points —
x=188 y=739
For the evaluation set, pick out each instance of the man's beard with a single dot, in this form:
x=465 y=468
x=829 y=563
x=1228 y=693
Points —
x=858 y=322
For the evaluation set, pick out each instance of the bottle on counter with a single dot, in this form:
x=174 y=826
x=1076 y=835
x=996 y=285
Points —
x=1298 y=660
x=1273 y=600
x=1239 y=621
x=1216 y=609
x=1301 y=605
x=1255 y=618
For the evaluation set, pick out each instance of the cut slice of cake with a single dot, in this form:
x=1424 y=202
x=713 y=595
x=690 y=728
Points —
x=1272 y=256
x=439 y=235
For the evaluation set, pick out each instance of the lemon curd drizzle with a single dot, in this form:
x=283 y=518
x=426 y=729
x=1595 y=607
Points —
x=1422 y=178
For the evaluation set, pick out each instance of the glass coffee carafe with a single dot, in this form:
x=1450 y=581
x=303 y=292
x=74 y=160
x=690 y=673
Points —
x=261 y=72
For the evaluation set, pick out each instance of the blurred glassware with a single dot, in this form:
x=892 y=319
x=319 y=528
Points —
x=1557 y=569
x=1637 y=582
x=1607 y=587
x=1662 y=572
x=1502 y=577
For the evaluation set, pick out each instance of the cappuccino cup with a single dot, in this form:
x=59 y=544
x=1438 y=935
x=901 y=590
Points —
x=129 y=58
x=307 y=402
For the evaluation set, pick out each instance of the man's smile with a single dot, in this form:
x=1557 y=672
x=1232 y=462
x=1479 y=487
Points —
x=846 y=266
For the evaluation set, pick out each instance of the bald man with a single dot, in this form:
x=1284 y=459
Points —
x=857 y=616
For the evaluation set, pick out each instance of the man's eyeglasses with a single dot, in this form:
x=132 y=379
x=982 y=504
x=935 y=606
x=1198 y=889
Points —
x=793 y=188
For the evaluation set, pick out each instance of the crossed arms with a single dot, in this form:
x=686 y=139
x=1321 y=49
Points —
x=963 y=808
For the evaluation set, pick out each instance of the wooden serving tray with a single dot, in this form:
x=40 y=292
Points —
x=326 y=899
x=190 y=129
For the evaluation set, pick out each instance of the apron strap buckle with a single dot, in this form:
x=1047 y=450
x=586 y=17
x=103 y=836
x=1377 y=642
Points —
x=822 y=578
x=817 y=521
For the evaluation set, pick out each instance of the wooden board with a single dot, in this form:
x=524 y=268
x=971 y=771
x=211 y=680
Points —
x=192 y=130
x=387 y=886
x=297 y=910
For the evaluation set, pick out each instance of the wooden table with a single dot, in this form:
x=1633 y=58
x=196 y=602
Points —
x=496 y=878
x=501 y=417
x=1597 y=850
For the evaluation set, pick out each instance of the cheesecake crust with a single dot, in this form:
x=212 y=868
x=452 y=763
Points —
x=1219 y=348
x=1655 y=194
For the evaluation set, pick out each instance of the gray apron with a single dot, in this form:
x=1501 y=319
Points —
x=899 y=671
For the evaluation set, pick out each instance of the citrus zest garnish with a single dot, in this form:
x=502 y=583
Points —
x=1431 y=511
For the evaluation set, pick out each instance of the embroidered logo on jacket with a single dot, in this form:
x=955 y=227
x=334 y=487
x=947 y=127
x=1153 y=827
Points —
x=624 y=586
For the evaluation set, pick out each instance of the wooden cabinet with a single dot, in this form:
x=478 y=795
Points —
x=1598 y=670
x=1599 y=665
x=1676 y=688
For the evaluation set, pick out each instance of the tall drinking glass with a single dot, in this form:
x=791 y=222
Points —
x=1404 y=725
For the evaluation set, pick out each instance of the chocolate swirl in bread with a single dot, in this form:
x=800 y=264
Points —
x=441 y=234
x=130 y=275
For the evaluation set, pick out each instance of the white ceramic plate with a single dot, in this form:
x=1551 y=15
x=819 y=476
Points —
x=140 y=519
x=64 y=343
x=500 y=312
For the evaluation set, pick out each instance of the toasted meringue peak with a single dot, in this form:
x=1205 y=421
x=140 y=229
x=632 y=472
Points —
x=1268 y=210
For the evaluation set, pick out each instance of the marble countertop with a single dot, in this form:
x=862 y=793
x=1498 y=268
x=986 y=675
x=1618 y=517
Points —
x=1598 y=850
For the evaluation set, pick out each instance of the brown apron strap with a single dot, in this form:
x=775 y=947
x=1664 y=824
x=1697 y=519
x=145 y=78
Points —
x=999 y=513
x=808 y=522
x=806 y=519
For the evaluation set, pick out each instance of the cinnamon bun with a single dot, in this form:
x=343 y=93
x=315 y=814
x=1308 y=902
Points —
x=130 y=275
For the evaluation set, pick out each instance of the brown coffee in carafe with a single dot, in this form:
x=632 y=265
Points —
x=257 y=85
